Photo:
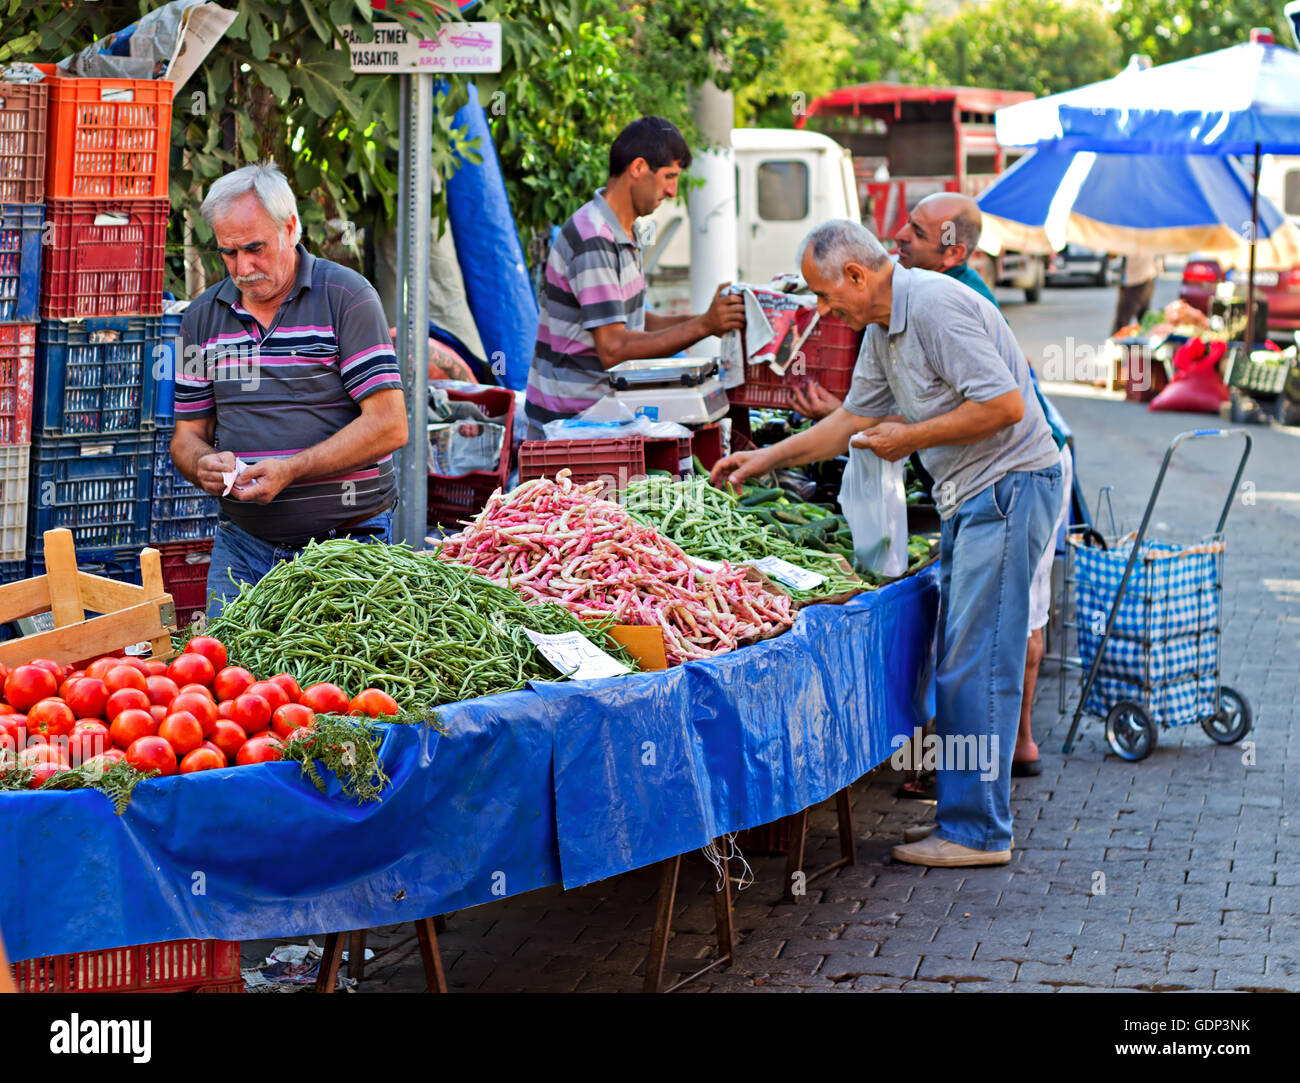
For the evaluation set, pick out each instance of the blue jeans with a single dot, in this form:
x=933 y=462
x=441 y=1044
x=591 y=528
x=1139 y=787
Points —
x=237 y=552
x=987 y=554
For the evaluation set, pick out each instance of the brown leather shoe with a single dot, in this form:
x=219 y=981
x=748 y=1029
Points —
x=940 y=853
x=924 y=831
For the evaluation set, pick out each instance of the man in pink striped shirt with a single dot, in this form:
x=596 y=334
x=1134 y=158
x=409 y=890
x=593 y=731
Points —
x=287 y=366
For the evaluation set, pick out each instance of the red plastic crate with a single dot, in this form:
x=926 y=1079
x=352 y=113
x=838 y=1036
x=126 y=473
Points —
x=706 y=445
x=452 y=499
x=17 y=373
x=103 y=257
x=616 y=461
x=185 y=567
x=24 y=117
x=829 y=355
x=171 y=967
x=108 y=138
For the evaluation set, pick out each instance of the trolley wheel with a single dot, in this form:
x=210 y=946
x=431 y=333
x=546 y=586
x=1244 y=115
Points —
x=1130 y=731
x=1234 y=719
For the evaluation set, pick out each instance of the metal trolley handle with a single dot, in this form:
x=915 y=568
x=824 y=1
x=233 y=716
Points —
x=1181 y=438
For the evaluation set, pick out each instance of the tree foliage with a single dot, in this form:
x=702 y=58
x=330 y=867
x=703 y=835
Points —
x=1043 y=46
x=1168 y=30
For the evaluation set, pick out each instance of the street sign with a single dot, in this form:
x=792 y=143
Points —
x=457 y=47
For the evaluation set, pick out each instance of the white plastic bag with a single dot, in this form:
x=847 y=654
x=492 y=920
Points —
x=875 y=505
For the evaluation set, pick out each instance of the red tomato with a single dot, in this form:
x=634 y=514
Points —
x=100 y=666
x=224 y=708
x=201 y=689
x=200 y=706
x=251 y=712
x=211 y=649
x=88 y=697
x=182 y=731
x=325 y=698
x=4 y=707
x=9 y=727
x=152 y=754
x=68 y=682
x=290 y=717
x=52 y=717
x=231 y=682
x=229 y=737
x=52 y=666
x=135 y=662
x=202 y=759
x=132 y=724
x=43 y=753
x=28 y=685
x=273 y=693
x=160 y=711
x=42 y=773
x=290 y=686
x=191 y=669
x=373 y=702
x=215 y=748
x=102 y=763
x=88 y=740
x=155 y=668
x=161 y=690
x=4 y=675
x=124 y=676
x=261 y=749
x=125 y=699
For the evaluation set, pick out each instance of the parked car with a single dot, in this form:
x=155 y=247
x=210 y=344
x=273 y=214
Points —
x=1078 y=261
x=1280 y=288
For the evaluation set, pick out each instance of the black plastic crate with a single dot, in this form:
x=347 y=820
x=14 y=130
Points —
x=95 y=375
x=180 y=512
x=98 y=487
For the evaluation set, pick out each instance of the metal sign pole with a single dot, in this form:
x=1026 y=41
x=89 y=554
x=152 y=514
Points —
x=414 y=193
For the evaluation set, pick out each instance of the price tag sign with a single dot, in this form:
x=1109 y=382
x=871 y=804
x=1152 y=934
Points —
x=789 y=574
x=576 y=656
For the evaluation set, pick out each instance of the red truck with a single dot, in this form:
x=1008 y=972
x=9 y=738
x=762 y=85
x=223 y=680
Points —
x=910 y=141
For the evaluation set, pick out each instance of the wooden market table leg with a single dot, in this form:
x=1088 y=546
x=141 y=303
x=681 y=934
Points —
x=331 y=955
x=798 y=831
x=655 y=958
x=434 y=977
x=357 y=954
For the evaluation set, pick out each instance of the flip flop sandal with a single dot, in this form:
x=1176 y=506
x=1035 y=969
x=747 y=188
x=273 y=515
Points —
x=1026 y=769
x=917 y=789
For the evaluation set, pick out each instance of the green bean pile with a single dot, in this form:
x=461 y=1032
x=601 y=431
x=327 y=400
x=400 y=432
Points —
x=708 y=523
x=424 y=630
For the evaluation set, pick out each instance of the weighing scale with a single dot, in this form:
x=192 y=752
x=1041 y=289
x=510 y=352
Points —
x=686 y=390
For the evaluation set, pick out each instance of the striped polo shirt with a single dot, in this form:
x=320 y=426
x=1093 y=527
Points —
x=280 y=390
x=593 y=278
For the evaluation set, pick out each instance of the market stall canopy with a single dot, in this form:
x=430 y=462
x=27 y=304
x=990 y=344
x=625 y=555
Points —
x=1134 y=205
x=1225 y=102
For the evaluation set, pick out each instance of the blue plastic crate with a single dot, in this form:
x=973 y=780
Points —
x=164 y=387
x=20 y=261
x=12 y=570
x=122 y=564
x=99 y=488
x=95 y=375
x=180 y=511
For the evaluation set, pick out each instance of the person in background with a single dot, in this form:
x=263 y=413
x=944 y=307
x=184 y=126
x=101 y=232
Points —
x=593 y=313
x=287 y=365
x=946 y=361
x=1136 y=286
x=942 y=232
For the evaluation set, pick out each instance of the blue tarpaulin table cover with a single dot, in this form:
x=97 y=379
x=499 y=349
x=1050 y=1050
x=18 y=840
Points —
x=562 y=783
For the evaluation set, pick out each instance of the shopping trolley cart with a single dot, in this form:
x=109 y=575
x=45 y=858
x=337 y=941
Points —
x=1154 y=659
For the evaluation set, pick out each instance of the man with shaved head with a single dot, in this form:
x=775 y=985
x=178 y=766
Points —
x=940 y=373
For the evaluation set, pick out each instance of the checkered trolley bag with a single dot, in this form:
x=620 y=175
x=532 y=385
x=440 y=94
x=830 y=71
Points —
x=1147 y=616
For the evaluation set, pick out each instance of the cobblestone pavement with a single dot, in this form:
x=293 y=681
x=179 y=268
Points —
x=1192 y=846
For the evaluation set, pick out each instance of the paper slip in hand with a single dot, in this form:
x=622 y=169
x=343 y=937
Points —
x=576 y=656
x=232 y=476
x=790 y=574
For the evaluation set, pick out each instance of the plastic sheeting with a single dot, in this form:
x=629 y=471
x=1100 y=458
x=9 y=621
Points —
x=496 y=277
x=552 y=784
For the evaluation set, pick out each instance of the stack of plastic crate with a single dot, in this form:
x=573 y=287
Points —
x=98 y=343
x=24 y=112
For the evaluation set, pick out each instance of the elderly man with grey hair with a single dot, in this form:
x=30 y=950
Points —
x=287 y=367
x=940 y=373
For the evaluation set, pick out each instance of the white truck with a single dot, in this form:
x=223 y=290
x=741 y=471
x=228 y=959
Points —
x=787 y=182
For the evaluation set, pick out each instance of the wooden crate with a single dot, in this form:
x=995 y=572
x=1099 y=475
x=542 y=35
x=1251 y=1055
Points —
x=129 y=614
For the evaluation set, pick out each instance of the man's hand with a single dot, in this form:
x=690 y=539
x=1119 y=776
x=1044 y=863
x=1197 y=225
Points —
x=890 y=440
x=726 y=313
x=737 y=467
x=815 y=401
x=211 y=468
x=263 y=481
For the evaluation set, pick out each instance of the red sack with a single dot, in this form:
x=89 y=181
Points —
x=1196 y=387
